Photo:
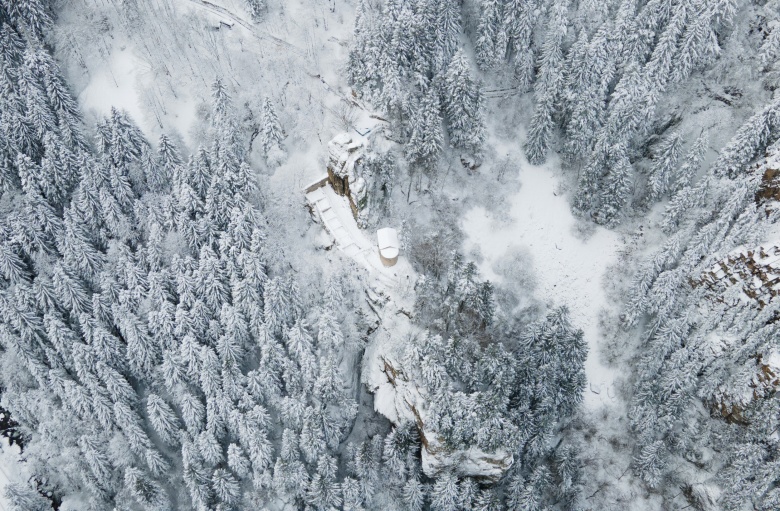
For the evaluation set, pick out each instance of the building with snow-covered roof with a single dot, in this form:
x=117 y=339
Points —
x=389 y=246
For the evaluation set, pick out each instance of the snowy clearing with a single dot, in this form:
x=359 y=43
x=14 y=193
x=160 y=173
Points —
x=114 y=85
x=569 y=270
x=126 y=82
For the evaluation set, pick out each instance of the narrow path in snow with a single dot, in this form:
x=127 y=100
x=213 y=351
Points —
x=568 y=270
x=337 y=219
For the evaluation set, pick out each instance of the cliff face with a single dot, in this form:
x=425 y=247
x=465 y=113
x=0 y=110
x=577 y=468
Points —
x=746 y=277
x=401 y=399
x=750 y=276
x=344 y=157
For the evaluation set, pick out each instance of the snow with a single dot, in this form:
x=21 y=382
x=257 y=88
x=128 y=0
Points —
x=392 y=399
x=335 y=145
x=473 y=461
x=113 y=84
x=124 y=81
x=337 y=219
x=11 y=470
x=387 y=239
x=569 y=270
x=773 y=361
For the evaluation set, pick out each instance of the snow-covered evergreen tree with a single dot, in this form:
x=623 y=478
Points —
x=425 y=141
x=256 y=8
x=662 y=177
x=462 y=102
x=489 y=26
x=271 y=134
x=547 y=87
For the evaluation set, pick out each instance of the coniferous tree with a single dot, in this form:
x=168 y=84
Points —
x=547 y=87
x=144 y=490
x=237 y=461
x=226 y=487
x=414 y=494
x=463 y=106
x=662 y=177
x=691 y=163
x=23 y=498
x=163 y=418
x=271 y=134
x=650 y=462
x=489 y=26
x=616 y=194
x=447 y=28
x=34 y=14
x=256 y=8
x=425 y=141
x=445 y=493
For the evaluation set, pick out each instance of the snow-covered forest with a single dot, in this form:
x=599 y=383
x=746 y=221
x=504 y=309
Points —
x=389 y=255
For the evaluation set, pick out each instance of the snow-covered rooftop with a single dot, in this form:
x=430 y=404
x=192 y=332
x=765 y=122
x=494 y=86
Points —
x=388 y=242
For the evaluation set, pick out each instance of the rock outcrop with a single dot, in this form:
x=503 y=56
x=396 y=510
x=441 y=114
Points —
x=344 y=158
x=753 y=273
x=399 y=398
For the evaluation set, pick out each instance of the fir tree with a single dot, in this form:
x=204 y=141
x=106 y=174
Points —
x=547 y=87
x=489 y=26
x=256 y=8
x=350 y=490
x=23 y=498
x=144 y=490
x=463 y=106
x=275 y=311
x=34 y=14
x=445 y=493
x=226 y=487
x=691 y=162
x=662 y=177
x=271 y=134
x=555 y=346
x=163 y=419
x=447 y=31
x=414 y=494
x=237 y=461
x=425 y=141
x=650 y=461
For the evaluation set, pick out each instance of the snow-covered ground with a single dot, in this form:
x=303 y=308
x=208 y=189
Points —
x=336 y=216
x=11 y=470
x=124 y=81
x=569 y=270
x=114 y=85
